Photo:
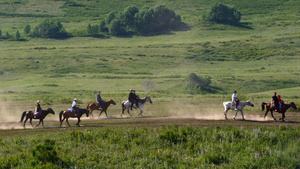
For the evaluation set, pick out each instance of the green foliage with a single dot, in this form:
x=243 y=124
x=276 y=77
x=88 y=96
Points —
x=92 y=30
x=141 y=147
x=27 y=29
x=223 y=14
x=196 y=83
x=18 y=36
x=156 y=19
x=50 y=29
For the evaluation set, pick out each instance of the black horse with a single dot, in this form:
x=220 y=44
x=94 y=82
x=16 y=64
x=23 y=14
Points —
x=68 y=114
x=30 y=115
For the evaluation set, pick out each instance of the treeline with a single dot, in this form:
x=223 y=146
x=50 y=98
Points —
x=131 y=21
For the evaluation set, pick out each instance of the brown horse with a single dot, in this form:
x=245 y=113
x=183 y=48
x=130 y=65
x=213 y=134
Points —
x=69 y=114
x=93 y=106
x=283 y=109
x=30 y=115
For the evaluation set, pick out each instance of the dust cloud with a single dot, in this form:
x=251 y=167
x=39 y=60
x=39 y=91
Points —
x=10 y=116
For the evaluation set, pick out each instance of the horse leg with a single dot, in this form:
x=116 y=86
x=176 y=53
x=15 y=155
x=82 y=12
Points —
x=242 y=114
x=31 y=122
x=67 y=120
x=128 y=112
x=225 y=114
x=272 y=115
x=39 y=123
x=101 y=113
x=43 y=123
x=283 y=116
x=78 y=122
x=91 y=114
x=106 y=114
x=25 y=121
x=235 y=114
x=62 y=121
x=141 y=112
x=266 y=113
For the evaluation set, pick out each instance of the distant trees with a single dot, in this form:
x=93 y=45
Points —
x=50 y=29
x=145 y=21
x=223 y=14
x=27 y=29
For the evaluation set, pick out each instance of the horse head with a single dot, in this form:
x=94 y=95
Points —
x=249 y=103
x=112 y=102
x=149 y=99
x=293 y=105
x=50 y=111
x=87 y=112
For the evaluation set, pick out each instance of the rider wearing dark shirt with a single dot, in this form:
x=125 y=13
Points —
x=275 y=101
x=99 y=100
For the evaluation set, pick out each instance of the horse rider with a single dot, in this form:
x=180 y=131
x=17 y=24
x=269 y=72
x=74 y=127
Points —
x=99 y=100
x=234 y=100
x=275 y=101
x=38 y=108
x=74 y=107
x=281 y=102
x=131 y=98
x=136 y=99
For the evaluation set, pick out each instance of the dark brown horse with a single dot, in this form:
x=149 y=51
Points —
x=69 y=114
x=93 y=106
x=283 y=109
x=30 y=115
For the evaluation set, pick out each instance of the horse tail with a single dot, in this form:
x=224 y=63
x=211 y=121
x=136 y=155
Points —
x=60 y=115
x=123 y=107
x=22 y=116
x=263 y=106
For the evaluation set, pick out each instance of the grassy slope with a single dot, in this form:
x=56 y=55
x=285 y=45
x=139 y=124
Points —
x=255 y=60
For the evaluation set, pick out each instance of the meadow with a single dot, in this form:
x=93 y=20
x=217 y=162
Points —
x=256 y=58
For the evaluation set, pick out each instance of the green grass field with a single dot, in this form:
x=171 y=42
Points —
x=257 y=58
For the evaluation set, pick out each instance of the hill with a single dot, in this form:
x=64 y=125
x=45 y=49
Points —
x=259 y=56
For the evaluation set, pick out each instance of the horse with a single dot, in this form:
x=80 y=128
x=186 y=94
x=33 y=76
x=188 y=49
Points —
x=283 y=109
x=93 y=106
x=141 y=103
x=30 y=115
x=228 y=105
x=69 y=114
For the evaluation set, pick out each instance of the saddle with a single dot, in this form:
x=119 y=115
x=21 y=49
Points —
x=73 y=110
x=37 y=113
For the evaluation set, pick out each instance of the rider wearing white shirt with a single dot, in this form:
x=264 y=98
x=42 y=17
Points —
x=234 y=99
x=74 y=106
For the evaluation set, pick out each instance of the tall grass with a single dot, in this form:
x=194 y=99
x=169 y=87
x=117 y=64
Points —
x=169 y=146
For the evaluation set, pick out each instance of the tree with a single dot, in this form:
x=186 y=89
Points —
x=116 y=28
x=157 y=19
x=50 y=29
x=127 y=17
x=110 y=16
x=27 y=29
x=18 y=36
x=223 y=14
x=92 y=30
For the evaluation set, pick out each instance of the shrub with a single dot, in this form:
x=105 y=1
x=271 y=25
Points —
x=223 y=14
x=50 y=29
x=27 y=29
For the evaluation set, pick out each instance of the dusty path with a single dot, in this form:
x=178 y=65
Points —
x=16 y=128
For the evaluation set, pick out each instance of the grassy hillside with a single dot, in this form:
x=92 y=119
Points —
x=257 y=58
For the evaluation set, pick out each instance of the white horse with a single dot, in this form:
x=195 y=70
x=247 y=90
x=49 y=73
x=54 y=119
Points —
x=127 y=105
x=228 y=105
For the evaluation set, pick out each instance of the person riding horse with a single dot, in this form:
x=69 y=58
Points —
x=99 y=100
x=274 y=101
x=281 y=102
x=37 y=109
x=235 y=100
x=74 y=107
x=133 y=98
